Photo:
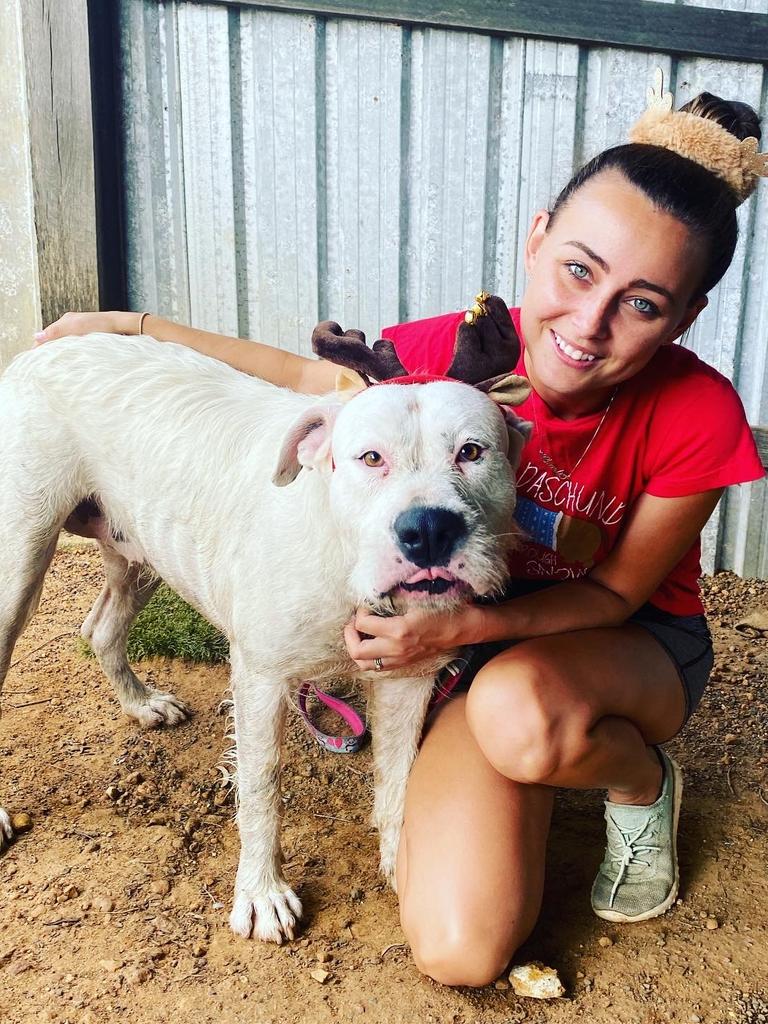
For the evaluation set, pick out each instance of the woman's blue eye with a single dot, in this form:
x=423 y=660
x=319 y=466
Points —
x=643 y=305
x=578 y=270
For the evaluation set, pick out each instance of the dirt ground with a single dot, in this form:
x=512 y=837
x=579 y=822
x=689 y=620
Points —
x=114 y=906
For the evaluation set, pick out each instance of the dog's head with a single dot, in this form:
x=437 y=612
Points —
x=422 y=485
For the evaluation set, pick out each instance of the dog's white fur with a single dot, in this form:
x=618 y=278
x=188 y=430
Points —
x=180 y=451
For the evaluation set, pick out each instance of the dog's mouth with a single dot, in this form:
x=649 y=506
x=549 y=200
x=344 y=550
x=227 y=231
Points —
x=432 y=581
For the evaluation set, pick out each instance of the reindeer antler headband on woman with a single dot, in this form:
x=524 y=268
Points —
x=735 y=161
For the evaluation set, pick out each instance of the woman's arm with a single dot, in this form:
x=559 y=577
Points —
x=656 y=536
x=286 y=369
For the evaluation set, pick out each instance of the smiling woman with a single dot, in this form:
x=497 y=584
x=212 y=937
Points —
x=598 y=651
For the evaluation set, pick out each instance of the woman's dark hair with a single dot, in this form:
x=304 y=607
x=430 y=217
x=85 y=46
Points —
x=681 y=187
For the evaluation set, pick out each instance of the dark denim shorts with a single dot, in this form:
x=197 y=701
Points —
x=685 y=638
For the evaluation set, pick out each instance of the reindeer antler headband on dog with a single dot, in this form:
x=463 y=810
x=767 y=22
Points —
x=735 y=161
x=485 y=354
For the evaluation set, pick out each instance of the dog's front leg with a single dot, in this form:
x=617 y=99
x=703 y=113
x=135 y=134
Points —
x=264 y=906
x=399 y=707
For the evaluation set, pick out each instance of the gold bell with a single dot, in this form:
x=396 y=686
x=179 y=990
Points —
x=477 y=309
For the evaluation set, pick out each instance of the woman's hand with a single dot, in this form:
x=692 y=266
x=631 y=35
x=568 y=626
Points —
x=402 y=640
x=115 y=322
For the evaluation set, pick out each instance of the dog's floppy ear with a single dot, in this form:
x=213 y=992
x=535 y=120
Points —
x=307 y=444
x=519 y=432
x=508 y=390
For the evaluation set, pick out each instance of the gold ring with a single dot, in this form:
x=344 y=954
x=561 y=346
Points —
x=378 y=664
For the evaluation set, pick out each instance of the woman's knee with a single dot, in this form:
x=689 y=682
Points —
x=522 y=718
x=460 y=953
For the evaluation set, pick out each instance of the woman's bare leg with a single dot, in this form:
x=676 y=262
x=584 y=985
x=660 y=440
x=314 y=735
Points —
x=471 y=858
x=580 y=711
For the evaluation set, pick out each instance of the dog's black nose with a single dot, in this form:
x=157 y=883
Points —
x=428 y=536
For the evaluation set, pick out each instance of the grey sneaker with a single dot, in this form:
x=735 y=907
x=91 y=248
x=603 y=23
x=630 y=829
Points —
x=639 y=878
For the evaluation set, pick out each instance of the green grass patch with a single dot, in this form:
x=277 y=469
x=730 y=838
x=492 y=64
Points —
x=169 y=628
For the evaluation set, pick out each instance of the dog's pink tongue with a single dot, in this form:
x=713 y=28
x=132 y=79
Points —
x=434 y=573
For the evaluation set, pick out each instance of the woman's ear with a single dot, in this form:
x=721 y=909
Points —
x=691 y=312
x=536 y=235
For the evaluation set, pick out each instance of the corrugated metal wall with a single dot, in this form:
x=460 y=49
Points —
x=282 y=169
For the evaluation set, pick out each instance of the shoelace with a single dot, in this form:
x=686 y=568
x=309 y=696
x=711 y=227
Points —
x=627 y=853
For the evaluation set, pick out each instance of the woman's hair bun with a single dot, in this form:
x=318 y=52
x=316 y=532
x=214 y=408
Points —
x=737 y=118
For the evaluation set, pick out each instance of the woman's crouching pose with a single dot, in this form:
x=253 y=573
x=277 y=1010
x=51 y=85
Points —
x=600 y=650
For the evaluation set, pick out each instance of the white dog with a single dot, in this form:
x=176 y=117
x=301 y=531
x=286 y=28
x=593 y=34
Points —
x=411 y=499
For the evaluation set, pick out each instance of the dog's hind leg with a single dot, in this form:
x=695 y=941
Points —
x=127 y=589
x=265 y=906
x=23 y=564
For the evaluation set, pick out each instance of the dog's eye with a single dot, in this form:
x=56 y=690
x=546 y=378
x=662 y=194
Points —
x=372 y=459
x=470 y=452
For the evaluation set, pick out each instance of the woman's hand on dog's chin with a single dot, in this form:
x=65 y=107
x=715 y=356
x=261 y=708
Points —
x=114 y=322
x=403 y=640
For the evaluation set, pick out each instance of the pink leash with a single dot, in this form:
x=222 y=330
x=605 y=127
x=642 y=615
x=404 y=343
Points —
x=446 y=683
x=334 y=744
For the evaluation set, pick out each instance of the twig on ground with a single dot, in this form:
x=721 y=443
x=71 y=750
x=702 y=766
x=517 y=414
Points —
x=391 y=946
x=332 y=817
x=30 y=703
x=730 y=784
x=760 y=794
x=216 y=904
x=50 y=640
x=62 y=922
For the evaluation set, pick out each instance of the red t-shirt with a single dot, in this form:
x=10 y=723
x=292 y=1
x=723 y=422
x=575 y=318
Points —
x=676 y=428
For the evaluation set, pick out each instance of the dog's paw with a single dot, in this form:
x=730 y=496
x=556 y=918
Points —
x=271 y=916
x=389 y=842
x=388 y=865
x=6 y=829
x=159 y=709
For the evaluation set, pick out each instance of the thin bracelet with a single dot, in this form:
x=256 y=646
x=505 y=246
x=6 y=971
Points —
x=142 y=318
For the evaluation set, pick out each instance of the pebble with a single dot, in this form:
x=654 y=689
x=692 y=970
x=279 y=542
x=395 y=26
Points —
x=136 y=975
x=604 y=941
x=731 y=737
x=711 y=923
x=502 y=985
x=536 y=981
x=320 y=975
x=198 y=949
x=21 y=822
x=324 y=958
x=694 y=1018
x=104 y=904
x=160 y=886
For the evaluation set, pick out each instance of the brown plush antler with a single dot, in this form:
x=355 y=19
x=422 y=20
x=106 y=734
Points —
x=348 y=348
x=487 y=344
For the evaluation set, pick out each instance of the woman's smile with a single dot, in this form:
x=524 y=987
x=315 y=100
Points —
x=572 y=354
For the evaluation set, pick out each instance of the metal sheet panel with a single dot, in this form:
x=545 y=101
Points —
x=282 y=168
x=278 y=203
x=363 y=149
